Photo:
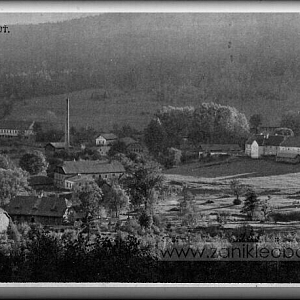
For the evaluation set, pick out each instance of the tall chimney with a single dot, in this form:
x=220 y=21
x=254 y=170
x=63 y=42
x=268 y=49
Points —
x=67 y=125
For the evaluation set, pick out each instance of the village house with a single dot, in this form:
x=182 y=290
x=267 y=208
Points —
x=53 y=147
x=264 y=145
x=11 y=129
x=289 y=150
x=254 y=146
x=78 y=180
x=36 y=209
x=220 y=148
x=40 y=182
x=106 y=139
x=132 y=146
x=97 y=169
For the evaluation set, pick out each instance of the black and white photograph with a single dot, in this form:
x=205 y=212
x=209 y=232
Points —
x=149 y=146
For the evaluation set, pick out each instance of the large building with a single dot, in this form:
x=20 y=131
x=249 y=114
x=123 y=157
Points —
x=10 y=129
x=97 y=169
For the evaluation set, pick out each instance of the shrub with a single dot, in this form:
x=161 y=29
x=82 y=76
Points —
x=237 y=201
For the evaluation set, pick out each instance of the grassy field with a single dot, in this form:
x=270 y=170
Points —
x=278 y=181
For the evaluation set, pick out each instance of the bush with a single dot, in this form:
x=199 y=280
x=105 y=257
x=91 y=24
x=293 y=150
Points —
x=285 y=217
x=237 y=201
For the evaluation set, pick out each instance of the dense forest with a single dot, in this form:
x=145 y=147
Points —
x=248 y=61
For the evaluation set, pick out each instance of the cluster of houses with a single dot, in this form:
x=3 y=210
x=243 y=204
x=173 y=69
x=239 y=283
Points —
x=284 y=148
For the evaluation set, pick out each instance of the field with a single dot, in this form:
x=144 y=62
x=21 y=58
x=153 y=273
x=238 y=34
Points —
x=210 y=184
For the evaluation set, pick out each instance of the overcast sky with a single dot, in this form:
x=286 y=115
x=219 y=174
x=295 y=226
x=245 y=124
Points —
x=34 y=18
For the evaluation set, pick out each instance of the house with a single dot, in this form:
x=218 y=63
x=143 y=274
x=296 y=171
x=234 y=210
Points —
x=220 y=148
x=272 y=143
x=78 y=180
x=106 y=139
x=34 y=209
x=10 y=129
x=132 y=146
x=40 y=182
x=289 y=150
x=254 y=146
x=97 y=168
x=50 y=148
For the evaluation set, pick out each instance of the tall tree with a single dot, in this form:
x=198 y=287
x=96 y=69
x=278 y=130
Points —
x=256 y=121
x=33 y=163
x=291 y=119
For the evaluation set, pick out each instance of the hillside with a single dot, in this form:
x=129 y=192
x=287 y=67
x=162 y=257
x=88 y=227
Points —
x=248 y=61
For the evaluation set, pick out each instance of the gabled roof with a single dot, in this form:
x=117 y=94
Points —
x=80 y=178
x=57 y=145
x=274 y=140
x=108 y=136
x=40 y=180
x=34 y=206
x=292 y=141
x=259 y=138
x=287 y=155
x=92 y=167
x=220 y=147
x=128 y=141
x=16 y=125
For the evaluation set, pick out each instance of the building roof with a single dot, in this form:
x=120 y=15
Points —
x=40 y=180
x=80 y=178
x=108 y=136
x=16 y=125
x=92 y=167
x=259 y=138
x=220 y=147
x=274 y=140
x=292 y=141
x=128 y=141
x=287 y=155
x=57 y=145
x=35 y=206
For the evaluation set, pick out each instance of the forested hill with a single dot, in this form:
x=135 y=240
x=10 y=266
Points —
x=250 y=61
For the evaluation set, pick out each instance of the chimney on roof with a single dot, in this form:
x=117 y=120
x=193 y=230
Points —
x=67 y=125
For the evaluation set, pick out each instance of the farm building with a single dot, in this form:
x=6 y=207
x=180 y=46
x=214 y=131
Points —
x=221 y=148
x=44 y=210
x=254 y=146
x=50 y=148
x=289 y=150
x=272 y=143
x=77 y=180
x=106 y=139
x=98 y=169
x=132 y=146
x=10 y=129
x=40 y=182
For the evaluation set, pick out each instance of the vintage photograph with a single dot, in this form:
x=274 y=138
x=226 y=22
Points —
x=149 y=147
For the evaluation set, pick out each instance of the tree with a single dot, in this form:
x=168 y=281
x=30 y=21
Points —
x=118 y=147
x=291 y=119
x=33 y=163
x=89 y=196
x=12 y=181
x=237 y=189
x=115 y=198
x=188 y=208
x=141 y=182
x=155 y=137
x=145 y=220
x=255 y=121
x=251 y=203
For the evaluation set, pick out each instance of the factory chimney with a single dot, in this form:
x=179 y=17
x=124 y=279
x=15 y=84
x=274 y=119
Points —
x=67 y=125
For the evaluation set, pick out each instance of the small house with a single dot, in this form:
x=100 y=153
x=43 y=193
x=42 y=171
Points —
x=289 y=150
x=132 y=146
x=106 y=139
x=51 y=148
